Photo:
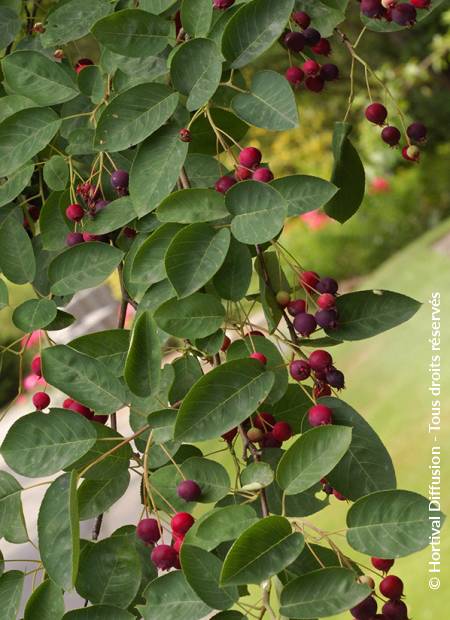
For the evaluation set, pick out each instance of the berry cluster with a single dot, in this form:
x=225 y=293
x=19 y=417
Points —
x=248 y=167
x=311 y=72
x=416 y=132
x=264 y=429
x=401 y=13
x=391 y=587
x=318 y=366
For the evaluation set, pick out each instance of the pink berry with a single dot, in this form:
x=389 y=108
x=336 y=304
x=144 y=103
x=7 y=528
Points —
x=100 y=419
x=421 y=4
x=321 y=389
x=185 y=135
x=339 y=496
x=366 y=609
x=36 y=366
x=382 y=564
x=189 y=490
x=177 y=543
x=299 y=370
x=74 y=238
x=250 y=157
x=81 y=409
x=264 y=421
x=309 y=280
x=326 y=318
x=74 y=212
x=182 y=522
x=392 y=587
x=223 y=184
x=311 y=67
x=320 y=414
x=260 y=357
x=164 y=557
x=376 y=113
x=294 y=41
x=242 y=173
x=264 y=175
x=305 y=323
x=90 y=237
x=41 y=400
x=82 y=63
x=67 y=402
x=320 y=360
x=391 y=135
x=294 y=76
x=315 y=84
x=301 y=18
x=326 y=301
x=282 y=431
x=148 y=531
x=297 y=306
x=322 y=48
x=223 y=4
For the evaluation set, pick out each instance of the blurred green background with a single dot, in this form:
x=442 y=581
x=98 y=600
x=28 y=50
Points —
x=399 y=240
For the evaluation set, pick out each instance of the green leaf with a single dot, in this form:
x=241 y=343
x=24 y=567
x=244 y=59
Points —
x=187 y=371
x=11 y=585
x=233 y=278
x=172 y=598
x=253 y=29
x=259 y=211
x=256 y=476
x=391 y=524
x=72 y=20
x=229 y=615
x=202 y=170
x=194 y=256
x=314 y=557
x=222 y=399
x=261 y=551
x=116 y=214
x=83 y=378
x=4 y=295
x=109 y=346
x=148 y=264
x=364 y=314
x=133 y=32
x=304 y=193
x=196 y=68
x=323 y=592
x=367 y=466
x=46 y=603
x=110 y=572
x=41 y=444
x=193 y=317
x=99 y=612
x=34 y=75
x=292 y=407
x=221 y=525
x=143 y=363
x=325 y=14
x=16 y=252
x=56 y=173
x=156 y=6
x=58 y=531
x=91 y=83
x=34 y=314
x=12 y=522
x=269 y=104
x=244 y=347
x=312 y=456
x=204 y=140
x=133 y=115
x=97 y=496
x=202 y=571
x=53 y=222
x=11 y=187
x=156 y=168
x=196 y=17
x=82 y=266
x=190 y=206
x=348 y=175
x=23 y=135
x=9 y=26
x=12 y=104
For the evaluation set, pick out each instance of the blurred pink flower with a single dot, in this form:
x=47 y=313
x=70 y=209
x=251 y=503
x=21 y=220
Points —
x=32 y=339
x=129 y=315
x=379 y=185
x=315 y=219
x=31 y=381
x=21 y=399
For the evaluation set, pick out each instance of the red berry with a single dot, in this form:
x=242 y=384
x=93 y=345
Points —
x=319 y=414
x=323 y=47
x=301 y=18
x=329 y=72
x=297 y=306
x=376 y=113
x=327 y=285
x=282 y=431
x=182 y=522
x=90 y=237
x=320 y=360
x=223 y=4
x=82 y=63
x=223 y=184
x=404 y=14
x=417 y=132
x=164 y=557
x=260 y=357
x=392 y=587
x=119 y=179
x=81 y=409
x=311 y=67
x=309 y=280
x=294 y=41
x=371 y=8
x=411 y=153
x=250 y=157
x=129 y=232
x=36 y=366
x=365 y=610
x=391 y=135
x=315 y=84
x=421 y=4
x=254 y=332
x=294 y=76
x=305 y=323
x=269 y=441
x=177 y=543
x=75 y=212
x=67 y=403
x=100 y=419
x=312 y=36
x=264 y=421
x=299 y=370
x=41 y=400
x=242 y=173
x=74 y=238
x=230 y=435
x=339 y=496
x=255 y=434
x=189 y=490
x=326 y=301
x=321 y=389
x=382 y=564
x=264 y=175
x=395 y=610
x=185 y=135
x=148 y=531
x=225 y=344
x=34 y=212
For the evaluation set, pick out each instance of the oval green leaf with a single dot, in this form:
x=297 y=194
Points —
x=46 y=603
x=34 y=314
x=143 y=363
x=12 y=522
x=190 y=206
x=12 y=186
x=193 y=317
x=304 y=193
x=17 y=259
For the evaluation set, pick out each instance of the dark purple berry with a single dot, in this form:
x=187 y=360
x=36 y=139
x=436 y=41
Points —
x=294 y=41
x=395 y=610
x=404 y=14
x=312 y=36
x=299 y=370
x=329 y=72
x=391 y=135
x=371 y=8
x=73 y=238
x=301 y=18
x=335 y=378
x=326 y=318
x=315 y=83
x=365 y=610
x=148 y=531
x=417 y=132
x=376 y=113
x=164 y=557
x=189 y=490
x=119 y=179
x=305 y=323
x=327 y=285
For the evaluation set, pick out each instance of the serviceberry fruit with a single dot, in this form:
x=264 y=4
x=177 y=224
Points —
x=312 y=36
x=294 y=76
x=421 y=4
x=299 y=370
x=301 y=18
x=283 y=298
x=260 y=357
x=371 y=8
x=119 y=179
x=100 y=419
x=322 y=48
x=321 y=389
x=73 y=238
x=335 y=378
x=366 y=580
x=181 y=522
x=264 y=175
x=376 y=113
x=269 y=441
x=164 y=557
x=82 y=64
x=311 y=67
x=382 y=564
x=417 y=132
x=296 y=306
x=282 y=431
x=41 y=400
x=327 y=285
x=391 y=135
x=315 y=84
x=223 y=4
x=309 y=280
x=411 y=153
x=189 y=490
x=326 y=318
x=100 y=204
x=255 y=434
x=36 y=366
x=79 y=408
x=404 y=14
x=395 y=610
x=264 y=421
x=242 y=173
x=148 y=531
x=34 y=212
x=250 y=157
x=326 y=301
x=225 y=344
x=294 y=41
x=329 y=72
x=305 y=323
x=320 y=360
x=339 y=496
x=223 y=184
x=177 y=543
x=366 y=609
x=392 y=587
x=75 y=212
x=230 y=435
x=185 y=135
x=319 y=414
